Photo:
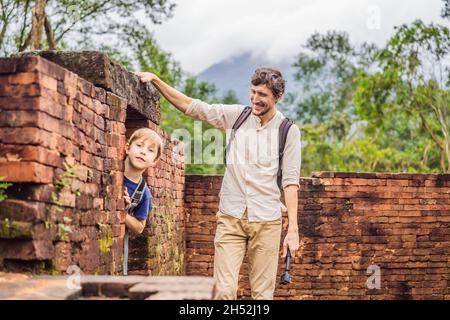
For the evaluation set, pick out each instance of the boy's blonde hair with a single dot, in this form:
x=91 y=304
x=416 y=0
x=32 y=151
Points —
x=152 y=136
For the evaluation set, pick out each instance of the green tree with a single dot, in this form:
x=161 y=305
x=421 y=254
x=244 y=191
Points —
x=326 y=70
x=412 y=82
x=367 y=109
x=230 y=97
x=89 y=21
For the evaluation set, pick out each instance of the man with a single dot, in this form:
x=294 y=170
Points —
x=249 y=216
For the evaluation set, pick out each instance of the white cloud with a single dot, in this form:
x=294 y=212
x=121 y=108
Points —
x=204 y=32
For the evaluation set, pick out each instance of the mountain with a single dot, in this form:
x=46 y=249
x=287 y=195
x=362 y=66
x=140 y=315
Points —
x=235 y=73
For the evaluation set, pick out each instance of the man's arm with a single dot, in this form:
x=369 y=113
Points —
x=291 y=175
x=135 y=225
x=292 y=239
x=175 y=97
x=218 y=115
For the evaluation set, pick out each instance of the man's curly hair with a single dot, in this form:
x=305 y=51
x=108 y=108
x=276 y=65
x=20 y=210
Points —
x=272 y=78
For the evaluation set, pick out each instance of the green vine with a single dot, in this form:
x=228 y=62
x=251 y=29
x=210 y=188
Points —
x=63 y=182
x=3 y=187
x=6 y=226
x=64 y=229
x=69 y=172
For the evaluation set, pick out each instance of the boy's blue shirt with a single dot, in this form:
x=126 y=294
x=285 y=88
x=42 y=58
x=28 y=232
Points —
x=145 y=206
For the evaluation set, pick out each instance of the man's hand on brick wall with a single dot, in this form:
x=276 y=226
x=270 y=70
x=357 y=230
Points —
x=146 y=76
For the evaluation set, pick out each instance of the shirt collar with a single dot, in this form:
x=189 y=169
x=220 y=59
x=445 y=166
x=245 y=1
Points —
x=258 y=120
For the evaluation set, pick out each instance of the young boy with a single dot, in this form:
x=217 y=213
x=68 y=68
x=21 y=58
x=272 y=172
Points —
x=144 y=148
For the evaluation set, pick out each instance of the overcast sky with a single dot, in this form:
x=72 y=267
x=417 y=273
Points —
x=204 y=32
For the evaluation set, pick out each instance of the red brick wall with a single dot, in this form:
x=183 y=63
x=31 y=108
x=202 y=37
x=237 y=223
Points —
x=50 y=117
x=347 y=222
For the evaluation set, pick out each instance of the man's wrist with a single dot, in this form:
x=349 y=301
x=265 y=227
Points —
x=155 y=79
x=294 y=228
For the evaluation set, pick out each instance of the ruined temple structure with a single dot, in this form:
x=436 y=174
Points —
x=64 y=121
x=65 y=118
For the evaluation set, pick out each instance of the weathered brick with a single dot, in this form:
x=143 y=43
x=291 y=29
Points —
x=30 y=153
x=8 y=65
x=26 y=172
x=27 y=250
x=24 y=78
x=35 y=119
x=27 y=90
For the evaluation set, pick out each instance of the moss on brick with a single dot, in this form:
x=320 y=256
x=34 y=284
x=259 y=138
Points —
x=106 y=238
x=15 y=229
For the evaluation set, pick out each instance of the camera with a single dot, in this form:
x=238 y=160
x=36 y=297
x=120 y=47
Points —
x=285 y=276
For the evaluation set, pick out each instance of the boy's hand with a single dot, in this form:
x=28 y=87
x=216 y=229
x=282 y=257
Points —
x=127 y=198
x=146 y=76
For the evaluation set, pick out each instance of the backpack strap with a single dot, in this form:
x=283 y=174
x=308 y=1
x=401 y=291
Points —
x=283 y=131
x=237 y=124
x=136 y=198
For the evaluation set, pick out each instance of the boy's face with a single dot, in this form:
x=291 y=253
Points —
x=142 y=153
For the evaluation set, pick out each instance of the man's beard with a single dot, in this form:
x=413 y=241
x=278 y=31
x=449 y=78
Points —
x=262 y=113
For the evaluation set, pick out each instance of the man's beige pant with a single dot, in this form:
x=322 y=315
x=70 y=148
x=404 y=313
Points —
x=262 y=241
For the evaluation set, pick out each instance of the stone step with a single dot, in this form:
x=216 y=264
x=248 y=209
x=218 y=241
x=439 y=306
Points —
x=23 y=287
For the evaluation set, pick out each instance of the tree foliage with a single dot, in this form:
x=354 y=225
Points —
x=363 y=108
x=411 y=88
x=24 y=22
